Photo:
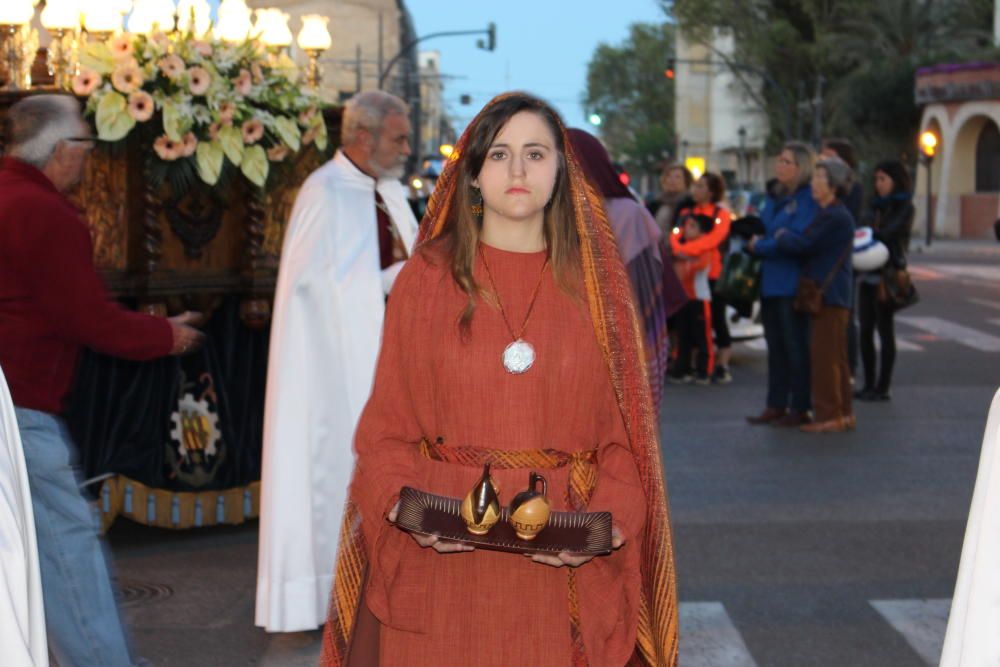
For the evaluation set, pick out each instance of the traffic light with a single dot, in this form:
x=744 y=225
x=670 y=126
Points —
x=490 y=44
x=669 y=72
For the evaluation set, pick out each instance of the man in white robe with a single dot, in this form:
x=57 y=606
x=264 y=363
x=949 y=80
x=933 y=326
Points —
x=328 y=309
x=22 y=614
x=972 y=639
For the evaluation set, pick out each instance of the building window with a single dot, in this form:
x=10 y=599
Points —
x=988 y=159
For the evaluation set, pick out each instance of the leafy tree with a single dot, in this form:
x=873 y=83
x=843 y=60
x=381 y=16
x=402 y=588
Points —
x=627 y=88
x=867 y=51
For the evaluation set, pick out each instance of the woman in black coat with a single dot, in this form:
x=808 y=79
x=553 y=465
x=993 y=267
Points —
x=891 y=219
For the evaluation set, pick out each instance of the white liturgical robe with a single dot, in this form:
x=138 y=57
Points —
x=22 y=615
x=973 y=636
x=328 y=311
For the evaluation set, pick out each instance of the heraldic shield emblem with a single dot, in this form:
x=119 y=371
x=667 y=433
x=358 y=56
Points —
x=196 y=448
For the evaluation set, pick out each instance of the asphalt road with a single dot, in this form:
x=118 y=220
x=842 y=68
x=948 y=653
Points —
x=792 y=549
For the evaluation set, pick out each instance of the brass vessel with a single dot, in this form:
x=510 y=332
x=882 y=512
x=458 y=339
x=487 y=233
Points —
x=481 y=506
x=530 y=509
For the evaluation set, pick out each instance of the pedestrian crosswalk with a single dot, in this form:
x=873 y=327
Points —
x=708 y=635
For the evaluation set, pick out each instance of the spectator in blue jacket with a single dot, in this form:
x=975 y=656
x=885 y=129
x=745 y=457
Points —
x=825 y=247
x=790 y=206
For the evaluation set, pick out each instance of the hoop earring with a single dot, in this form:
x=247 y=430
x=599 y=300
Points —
x=477 y=203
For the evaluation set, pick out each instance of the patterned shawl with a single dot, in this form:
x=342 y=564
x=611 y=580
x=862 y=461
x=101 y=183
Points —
x=619 y=334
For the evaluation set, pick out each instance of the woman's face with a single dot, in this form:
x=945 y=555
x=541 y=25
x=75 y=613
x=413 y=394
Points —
x=883 y=184
x=520 y=170
x=700 y=191
x=672 y=181
x=821 y=190
x=786 y=170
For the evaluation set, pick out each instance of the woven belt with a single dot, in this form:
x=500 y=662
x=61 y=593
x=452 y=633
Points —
x=582 y=464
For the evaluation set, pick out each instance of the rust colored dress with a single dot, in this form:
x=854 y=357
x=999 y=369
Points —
x=482 y=607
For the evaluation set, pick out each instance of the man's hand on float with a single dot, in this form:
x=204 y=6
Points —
x=433 y=541
x=186 y=337
x=566 y=559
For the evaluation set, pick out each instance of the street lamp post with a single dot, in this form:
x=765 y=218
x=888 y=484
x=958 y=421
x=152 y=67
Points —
x=489 y=44
x=928 y=147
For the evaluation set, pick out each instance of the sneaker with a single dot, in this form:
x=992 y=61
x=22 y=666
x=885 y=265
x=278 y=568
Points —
x=703 y=380
x=685 y=378
x=721 y=375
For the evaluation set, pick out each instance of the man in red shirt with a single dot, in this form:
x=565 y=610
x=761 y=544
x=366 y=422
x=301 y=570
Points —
x=52 y=304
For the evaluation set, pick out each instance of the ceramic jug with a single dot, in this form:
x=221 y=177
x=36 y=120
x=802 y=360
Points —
x=529 y=510
x=481 y=507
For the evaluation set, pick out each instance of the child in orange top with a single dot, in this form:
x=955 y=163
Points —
x=695 y=318
x=707 y=193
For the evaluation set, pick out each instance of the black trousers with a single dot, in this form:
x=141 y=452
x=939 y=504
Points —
x=719 y=323
x=695 y=330
x=874 y=315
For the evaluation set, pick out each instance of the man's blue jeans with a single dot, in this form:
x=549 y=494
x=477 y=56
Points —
x=81 y=616
x=787 y=335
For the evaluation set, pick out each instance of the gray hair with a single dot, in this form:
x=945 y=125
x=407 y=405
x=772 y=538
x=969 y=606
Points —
x=805 y=159
x=367 y=111
x=838 y=175
x=37 y=124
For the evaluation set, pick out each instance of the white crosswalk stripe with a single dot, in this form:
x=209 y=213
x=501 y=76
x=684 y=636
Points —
x=708 y=637
x=954 y=332
x=921 y=622
x=984 y=302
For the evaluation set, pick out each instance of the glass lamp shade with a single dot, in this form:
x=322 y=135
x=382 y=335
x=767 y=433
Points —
x=202 y=13
x=16 y=12
x=103 y=16
x=233 y=24
x=272 y=27
x=314 y=34
x=61 y=15
x=148 y=15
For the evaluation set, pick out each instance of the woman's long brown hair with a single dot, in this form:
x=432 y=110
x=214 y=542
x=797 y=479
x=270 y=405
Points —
x=459 y=238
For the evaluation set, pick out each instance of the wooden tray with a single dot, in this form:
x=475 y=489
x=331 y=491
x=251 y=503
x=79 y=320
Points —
x=576 y=532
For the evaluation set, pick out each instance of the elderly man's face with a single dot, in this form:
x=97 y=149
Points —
x=391 y=146
x=68 y=162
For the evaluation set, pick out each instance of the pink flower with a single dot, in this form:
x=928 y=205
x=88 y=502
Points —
x=199 y=81
x=204 y=49
x=85 y=82
x=167 y=149
x=226 y=112
x=189 y=145
x=121 y=47
x=160 y=39
x=140 y=106
x=127 y=78
x=306 y=116
x=252 y=130
x=258 y=73
x=277 y=152
x=172 y=66
x=213 y=131
x=243 y=83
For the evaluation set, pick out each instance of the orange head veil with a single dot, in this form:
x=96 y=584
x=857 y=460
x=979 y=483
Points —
x=610 y=299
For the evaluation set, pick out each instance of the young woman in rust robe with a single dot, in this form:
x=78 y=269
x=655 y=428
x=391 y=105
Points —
x=516 y=249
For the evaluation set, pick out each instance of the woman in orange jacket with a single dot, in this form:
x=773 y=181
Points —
x=708 y=192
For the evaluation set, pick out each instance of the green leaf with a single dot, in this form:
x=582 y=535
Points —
x=232 y=143
x=97 y=56
x=209 y=156
x=321 y=136
x=255 y=165
x=113 y=119
x=288 y=130
x=172 y=121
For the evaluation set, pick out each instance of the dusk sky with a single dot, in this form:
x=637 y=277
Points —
x=543 y=47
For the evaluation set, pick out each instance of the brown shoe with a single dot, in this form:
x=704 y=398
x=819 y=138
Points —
x=850 y=422
x=766 y=417
x=837 y=425
x=793 y=419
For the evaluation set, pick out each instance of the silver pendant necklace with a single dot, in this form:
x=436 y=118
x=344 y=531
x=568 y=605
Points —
x=519 y=356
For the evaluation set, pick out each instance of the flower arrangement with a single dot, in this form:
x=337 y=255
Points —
x=205 y=105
